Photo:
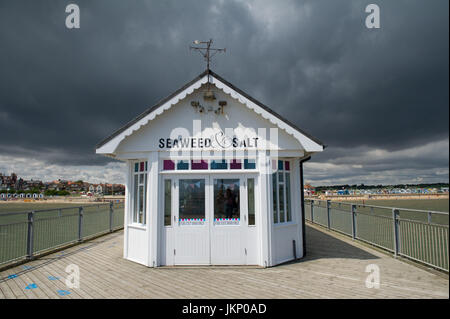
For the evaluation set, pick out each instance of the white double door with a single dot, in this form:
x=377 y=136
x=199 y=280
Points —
x=211 y=219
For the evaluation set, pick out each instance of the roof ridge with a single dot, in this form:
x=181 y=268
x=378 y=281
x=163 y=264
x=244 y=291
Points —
x=150 y=109
x=197 y=78
x=268 y=109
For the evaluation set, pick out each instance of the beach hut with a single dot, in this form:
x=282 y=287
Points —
x=213 y=177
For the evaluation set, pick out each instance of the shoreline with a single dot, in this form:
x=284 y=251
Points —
x=73 y=200
x=380 y=197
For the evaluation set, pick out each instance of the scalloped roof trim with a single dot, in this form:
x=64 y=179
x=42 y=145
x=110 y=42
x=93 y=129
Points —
x=109 y=145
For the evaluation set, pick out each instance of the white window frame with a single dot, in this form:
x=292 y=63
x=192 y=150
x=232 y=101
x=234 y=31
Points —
x=246 y=179
x=134 y=216
x=172 y=192
x=277 y=185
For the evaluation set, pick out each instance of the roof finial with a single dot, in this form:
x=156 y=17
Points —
x=207 y=52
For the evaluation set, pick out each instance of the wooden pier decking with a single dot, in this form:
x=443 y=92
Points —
x=334 y=268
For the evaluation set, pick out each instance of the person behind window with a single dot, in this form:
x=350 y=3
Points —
x=229 y=203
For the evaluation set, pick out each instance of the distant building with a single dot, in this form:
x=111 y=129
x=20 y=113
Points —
x=343 y=192
x=8 y=182
x=309 y=190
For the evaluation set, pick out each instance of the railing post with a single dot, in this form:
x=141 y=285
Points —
x=395 y=227
x=429 y=217
x=80 y=223
x=30 y=235
x=312 y=211
x=353 y=211
x=111 y=211
x=328 y=213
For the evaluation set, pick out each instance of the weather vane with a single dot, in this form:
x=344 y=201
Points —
x=207 y=52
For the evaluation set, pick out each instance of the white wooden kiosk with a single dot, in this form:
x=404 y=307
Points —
x=213 y=177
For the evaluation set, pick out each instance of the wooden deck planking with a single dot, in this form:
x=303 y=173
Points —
x=59 y=284
x=333 y=268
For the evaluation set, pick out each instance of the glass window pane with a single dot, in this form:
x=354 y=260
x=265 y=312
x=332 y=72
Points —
x=280 y=177
x=235 y=164
x=251 y=200
x=144 y=212
x=286 y=166
x=288 y=197
x=146 y=165
x=280 y=165
x=182 y=165
x=141 y=178
x=135 y=205
x=141 y=203
x=192 y=199
x=274 y=195
x=167 y=202
x=226 y=199
x=249 y=164
x=197 y=164
x=142 y=166
x=281 y=201
x=222 y=164
x=168 y=165
x=136 y=167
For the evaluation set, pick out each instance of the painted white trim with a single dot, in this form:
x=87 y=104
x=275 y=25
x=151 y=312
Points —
x=127 y=208
x=285 y=225
x=296 y=204
x=265 y=229
x=137 y=226
x=211 y=155
x=131 y=155
x=153 y=208
x=286 y=153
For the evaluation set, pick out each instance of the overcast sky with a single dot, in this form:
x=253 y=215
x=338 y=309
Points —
x=377 y=97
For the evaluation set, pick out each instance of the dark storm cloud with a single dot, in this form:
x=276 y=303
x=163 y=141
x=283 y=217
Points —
x=62 y=91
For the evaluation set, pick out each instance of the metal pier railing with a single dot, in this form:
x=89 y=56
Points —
x=418 y=235
x=25 y=235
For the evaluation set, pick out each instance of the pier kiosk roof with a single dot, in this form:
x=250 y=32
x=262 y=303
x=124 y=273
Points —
x=109 y=144
x=212 y=177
